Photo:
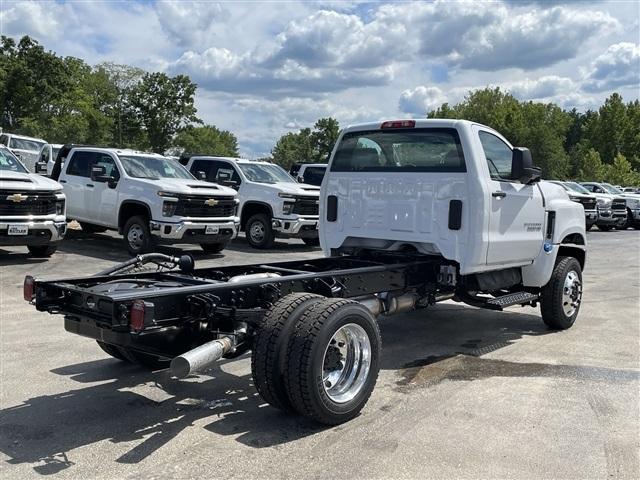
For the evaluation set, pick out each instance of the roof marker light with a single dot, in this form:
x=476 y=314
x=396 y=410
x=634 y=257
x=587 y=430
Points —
x=398 y=124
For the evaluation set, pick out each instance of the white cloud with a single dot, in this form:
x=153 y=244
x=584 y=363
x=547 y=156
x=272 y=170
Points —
x=420 y=100
x=618 y=66
x=540 y=88
x=191 y=24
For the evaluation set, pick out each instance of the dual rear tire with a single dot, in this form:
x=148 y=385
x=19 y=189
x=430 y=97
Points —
x=317 y=356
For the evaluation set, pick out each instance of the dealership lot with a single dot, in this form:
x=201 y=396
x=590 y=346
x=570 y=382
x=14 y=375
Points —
x=462 y=392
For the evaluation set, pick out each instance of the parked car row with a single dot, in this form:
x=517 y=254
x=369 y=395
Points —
x=150 y=199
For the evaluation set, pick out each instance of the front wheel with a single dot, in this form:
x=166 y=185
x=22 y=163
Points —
x=137 y=236
x=605 y=228
x=562 y=296
x=42 y=251
x=259 y=232
x=333 y=360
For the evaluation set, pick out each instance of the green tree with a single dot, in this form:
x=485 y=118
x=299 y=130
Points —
x=163 y=104
x=207 y=140
x=324 y=137
x=307 y=145
x=620 y=172
x=589 y=165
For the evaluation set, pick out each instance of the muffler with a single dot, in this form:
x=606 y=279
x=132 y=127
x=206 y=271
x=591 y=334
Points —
x=388 y=303
x=200 y=358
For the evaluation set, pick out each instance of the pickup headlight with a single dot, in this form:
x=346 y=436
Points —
x=287 y=208
x=574 y=199
x=603 y=202
x=168 y=194
x=286 y=195
x=169 y=208
x=59 y=207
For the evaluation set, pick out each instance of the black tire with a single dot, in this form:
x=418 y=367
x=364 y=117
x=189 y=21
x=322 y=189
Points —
x=306 y=352
x=312 y=242
x=589 y=227
x=552 y=303
x=111 y=350
x=628 y=222
x=268 y=357
x=605 y=228
x=261 y=223
x=42 y=251
x=140 y=240
x=213 y=247
x=144 y=359
x=91 y=228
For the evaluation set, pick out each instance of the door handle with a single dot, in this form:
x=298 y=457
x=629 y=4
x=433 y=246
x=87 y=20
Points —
x=499 y=194
x=62 y=181
x=90 y=185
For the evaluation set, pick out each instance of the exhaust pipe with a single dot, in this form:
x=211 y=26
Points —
x=389 y=304
x=201 y=357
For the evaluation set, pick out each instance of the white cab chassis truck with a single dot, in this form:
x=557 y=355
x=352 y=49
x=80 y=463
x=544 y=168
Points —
x=412 y=212
x=32 y=208
x=147 y=198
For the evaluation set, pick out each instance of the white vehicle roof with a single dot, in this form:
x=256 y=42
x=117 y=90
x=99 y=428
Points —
x=24 y=137
x=232 y=159
x=305 y=165
x=117 y=151
x=419 y=123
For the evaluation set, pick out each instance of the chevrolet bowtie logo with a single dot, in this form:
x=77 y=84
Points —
x=211 y=202
x=17 y=197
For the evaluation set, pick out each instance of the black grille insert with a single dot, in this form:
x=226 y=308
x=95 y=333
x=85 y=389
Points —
x=306 y=206
x=20 y=203
x=202 y=206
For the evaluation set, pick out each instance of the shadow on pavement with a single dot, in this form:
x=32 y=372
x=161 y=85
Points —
x=11 y=258
x=150 y=408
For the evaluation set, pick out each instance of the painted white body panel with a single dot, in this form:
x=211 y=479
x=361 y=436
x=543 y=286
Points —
x=390 y=210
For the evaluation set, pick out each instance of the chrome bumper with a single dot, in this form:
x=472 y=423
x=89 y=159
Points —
x=611 y=217
x=41 y=232
x=194 y=232
x=303 y=227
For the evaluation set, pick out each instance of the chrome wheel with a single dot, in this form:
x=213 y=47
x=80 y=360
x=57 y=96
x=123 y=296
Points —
x=135 y=237
x=346 y=363
x=571 y=293
x=257 y=232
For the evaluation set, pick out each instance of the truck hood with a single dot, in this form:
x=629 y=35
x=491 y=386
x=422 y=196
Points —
x=292 y=188
x=187 y=186
x=26 y=181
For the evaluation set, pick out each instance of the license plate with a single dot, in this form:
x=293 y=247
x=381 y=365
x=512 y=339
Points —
x=18 y=230
x=212 y=229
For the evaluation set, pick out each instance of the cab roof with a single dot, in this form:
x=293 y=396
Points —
x=416 y=123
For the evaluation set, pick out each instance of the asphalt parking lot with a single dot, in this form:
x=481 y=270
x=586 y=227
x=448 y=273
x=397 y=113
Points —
x=463 y=392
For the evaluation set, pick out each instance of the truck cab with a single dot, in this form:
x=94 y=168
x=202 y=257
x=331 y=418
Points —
x=32 y=208
x=449 y=188
x=272 y=203
x=147 y=198
x=25 y=148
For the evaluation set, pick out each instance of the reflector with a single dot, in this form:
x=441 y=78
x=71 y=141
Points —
x=137 y=315
x=399 y=124
x=28 y=288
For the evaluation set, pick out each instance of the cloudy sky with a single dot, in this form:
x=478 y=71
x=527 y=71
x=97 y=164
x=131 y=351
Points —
x=265 y=68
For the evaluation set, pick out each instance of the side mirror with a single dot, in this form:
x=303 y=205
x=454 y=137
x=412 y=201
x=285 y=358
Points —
x=200 y=175
x=522 y=168
x=41 y=168
x=300 y=179
x=98 y=172
x=231 y=183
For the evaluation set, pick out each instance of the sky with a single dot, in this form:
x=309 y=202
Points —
x=265 y=68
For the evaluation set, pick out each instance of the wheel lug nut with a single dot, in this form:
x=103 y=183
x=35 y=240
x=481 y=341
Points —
x=341 y=344
x=327 y=384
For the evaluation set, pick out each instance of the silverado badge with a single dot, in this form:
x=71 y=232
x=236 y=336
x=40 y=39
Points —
x=17 y=197
x=211 y=202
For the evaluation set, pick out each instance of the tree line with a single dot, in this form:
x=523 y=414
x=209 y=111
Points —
x=65 y=100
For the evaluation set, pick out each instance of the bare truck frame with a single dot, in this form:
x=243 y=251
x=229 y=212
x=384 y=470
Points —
x=189 y=318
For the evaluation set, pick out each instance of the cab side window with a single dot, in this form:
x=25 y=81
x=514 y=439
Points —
x=80 y=164
x=106 y=161
x=204 y=166
x=498 y=155
x=3 y=140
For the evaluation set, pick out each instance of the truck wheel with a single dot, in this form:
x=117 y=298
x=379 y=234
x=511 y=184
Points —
x=91 y=228
x=259 y=232
x=628 y=221
x=588 y=227
x=312 y=242
x=213 y=247
x=42 y=251
x=149 y=361
x=268 y=356
x=137 y=236
x=333 y=359
x=604 y=228
x=111 y=350
x=561 y=297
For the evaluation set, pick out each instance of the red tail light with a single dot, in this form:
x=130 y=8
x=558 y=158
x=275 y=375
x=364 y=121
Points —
x=137 y=315
x=28 y=288
x=398 y=124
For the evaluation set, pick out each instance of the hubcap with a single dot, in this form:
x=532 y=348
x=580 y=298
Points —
x=346 y=363
x=571 y=293
x=257 y=232
x=135 y=237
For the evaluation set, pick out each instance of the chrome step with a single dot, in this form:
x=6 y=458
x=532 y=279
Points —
x=517 y=298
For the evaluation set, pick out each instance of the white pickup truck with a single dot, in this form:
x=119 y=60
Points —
x=147 y=198
x=272 y=203
x=32 y=208
x=412 y=212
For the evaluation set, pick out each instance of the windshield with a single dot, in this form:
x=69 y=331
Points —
x=406 y=150
x=9 y=162
x=314 y=175
x=54 y=152
x=611 y=189
x=576 y=187
x=24 y=144
x=153 y=167
x=261 y=173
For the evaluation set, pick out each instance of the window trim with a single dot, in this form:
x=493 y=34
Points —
x=486 y=161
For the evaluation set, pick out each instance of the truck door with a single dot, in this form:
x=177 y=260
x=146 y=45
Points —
x=517 y=212
x=74 y=180
x=102 y=198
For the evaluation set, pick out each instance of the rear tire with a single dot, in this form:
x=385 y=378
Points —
x=91 y=228
x=333 y=360
x=213 y=247
x=42 y=251
x=259 y=232
x=312 y=242
x=137 y=236
x=268 y=356
x=562 y=296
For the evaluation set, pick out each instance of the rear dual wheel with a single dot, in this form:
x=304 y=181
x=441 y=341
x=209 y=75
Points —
x=317 y=356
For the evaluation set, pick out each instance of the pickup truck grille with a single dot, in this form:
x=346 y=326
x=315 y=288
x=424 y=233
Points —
x=14 y=203
x=306 y=206
x=588 y=203
x=619 y=204
x=199 y=206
